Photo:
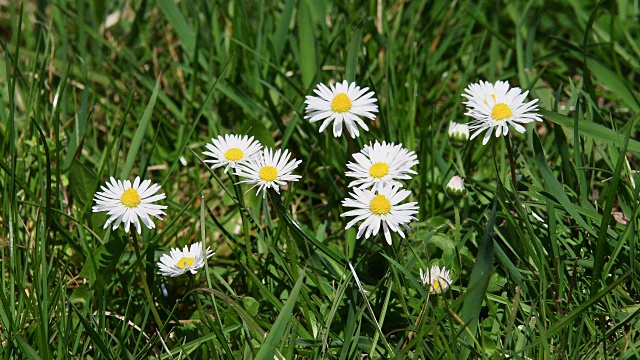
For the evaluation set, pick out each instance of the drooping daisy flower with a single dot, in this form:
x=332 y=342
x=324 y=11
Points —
x=231 y=150
x=380 y=164
x=458 y=133
x=269 y=170
x=179 y=262
x=438 y=279
x=498 y=106
x=380 y=207
x=124 y=203
x=343 y=102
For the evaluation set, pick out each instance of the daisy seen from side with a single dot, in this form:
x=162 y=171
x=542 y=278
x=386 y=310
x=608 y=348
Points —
x=231 y=150
x=380 y=209
x=379 y=164
x=495 y=107
x=342 y=103
x=268 y=170
x=129 y=203
x=178 y=262
x=436 y=278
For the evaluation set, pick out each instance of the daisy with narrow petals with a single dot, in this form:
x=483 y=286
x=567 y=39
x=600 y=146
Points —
x=343 y=102
x=231 y=150
x=179 y=262
x=438 y=279
x=124 y=203
x=269 y=170
x=498 y=106
x=378 y=164
x=378 y=208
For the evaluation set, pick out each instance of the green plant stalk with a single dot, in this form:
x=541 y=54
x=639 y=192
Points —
x=456 y=230
x=459 y=162
x=512 y=164
x=245 y=224
x=145 y=285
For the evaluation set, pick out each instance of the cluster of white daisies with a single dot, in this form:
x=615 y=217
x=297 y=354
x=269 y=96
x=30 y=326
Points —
x=376 y=200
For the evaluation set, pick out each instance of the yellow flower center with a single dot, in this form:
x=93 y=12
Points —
x=233 y=154
x=501 y=111
x=437 y=287
x=341 y=103
x=379 y=170
x=185 y=262
x=268 y=173
x=380 y=205
x=130 y=198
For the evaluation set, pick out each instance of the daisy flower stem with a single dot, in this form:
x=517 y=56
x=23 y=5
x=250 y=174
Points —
x=245 y=222
x=459 y=163
x=456 y=233
x=145 y=285
x=512 y=163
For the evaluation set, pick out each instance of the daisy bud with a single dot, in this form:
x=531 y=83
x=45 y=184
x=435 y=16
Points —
x=458 y=133
x=455 y=188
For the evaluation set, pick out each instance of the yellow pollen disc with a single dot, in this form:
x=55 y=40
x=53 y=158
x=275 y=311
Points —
x=233 y=154
x=130 y=198
x=436 y=286
x=188 y=261
x=379 y=170
x=341 y=103
x=380 y=205
x=268 y=173
x=501 y=111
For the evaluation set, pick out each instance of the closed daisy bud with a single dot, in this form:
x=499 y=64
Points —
x=458 y=133
x=455 y=188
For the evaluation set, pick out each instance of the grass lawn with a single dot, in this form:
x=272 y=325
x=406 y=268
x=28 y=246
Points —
x=541 y=246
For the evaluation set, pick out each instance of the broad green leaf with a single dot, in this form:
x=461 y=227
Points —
x=136 y=142
x=82 y=182
x=268 y=348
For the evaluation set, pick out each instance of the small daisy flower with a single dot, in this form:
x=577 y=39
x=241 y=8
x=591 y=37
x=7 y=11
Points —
x=380 y=164
x=438 y=279
x=269 y=170
x=231 y=150
x=380 y=207
x=124 y=203
x=343 y=102
x=179 y=262
x=458 y=133
x=498 y=106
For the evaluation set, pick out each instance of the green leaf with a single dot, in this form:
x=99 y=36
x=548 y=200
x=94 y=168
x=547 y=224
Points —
x=593 y=130
x=307 y=44
x=478 y=282
x=101 y=263
x=268 y=348
x=256 y=129
x=82 y=182
x=352 y=55
x=139 y=135
x=282 y=30
x=179 y=23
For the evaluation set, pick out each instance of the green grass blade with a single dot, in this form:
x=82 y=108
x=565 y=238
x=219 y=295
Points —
x=139 y=134
x=268 y=348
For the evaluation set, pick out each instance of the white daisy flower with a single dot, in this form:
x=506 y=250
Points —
x=125 y=203
x=231 y=150
x=380 y=164
x=438 y=279
x=269 y=170
x=343 y=102
x=179 y=262
x=497 y=106
x=380 y=207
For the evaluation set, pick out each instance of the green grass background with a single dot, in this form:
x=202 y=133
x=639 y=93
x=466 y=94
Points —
x=93 y=89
